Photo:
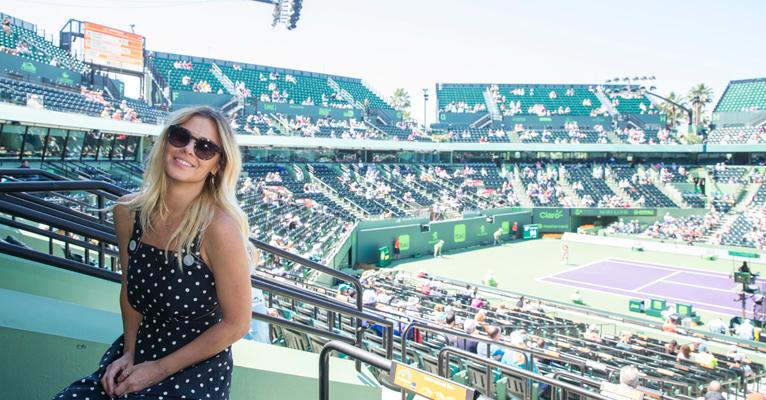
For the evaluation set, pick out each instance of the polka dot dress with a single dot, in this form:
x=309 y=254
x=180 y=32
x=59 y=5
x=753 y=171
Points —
x=177 y=306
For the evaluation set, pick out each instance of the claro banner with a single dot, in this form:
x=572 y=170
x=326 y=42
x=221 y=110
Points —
x=551 y=219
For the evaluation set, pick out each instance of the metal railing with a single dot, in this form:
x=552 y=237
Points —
x=446 y=353
x=16 y=203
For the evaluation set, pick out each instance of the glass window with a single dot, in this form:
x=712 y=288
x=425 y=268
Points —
x=56 y=141
x=34 y=142
x=106 y=146
x=74 y=145
x=90 y=147
x=10 y=140
x=131 y=147
x=120 y=141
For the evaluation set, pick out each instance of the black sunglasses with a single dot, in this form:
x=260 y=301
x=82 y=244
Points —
x=204 y=149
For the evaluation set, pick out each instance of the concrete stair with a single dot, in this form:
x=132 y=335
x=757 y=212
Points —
x=334 y=196
x=725 y=222
x=570 y=192
x=618 y=191
x=613 y=138
x=746 y=197
x=520 y=190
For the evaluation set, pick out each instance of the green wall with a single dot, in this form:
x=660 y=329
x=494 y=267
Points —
x=55 y=326
x=457 y=234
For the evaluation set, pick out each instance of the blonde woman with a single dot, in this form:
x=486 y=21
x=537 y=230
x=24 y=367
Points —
x=185 y=257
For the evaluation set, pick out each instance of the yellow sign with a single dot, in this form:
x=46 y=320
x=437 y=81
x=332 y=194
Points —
x=428 y=385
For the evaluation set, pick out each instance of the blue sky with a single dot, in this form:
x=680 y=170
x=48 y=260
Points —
x=416 y=43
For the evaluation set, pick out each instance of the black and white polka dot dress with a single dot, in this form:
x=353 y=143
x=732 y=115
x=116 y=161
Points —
x=177 y=306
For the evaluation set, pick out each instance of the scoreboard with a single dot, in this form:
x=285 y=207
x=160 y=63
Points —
x=113 y=48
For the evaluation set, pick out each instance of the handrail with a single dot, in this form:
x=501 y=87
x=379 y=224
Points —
x=440 y=366
x=31 y=171
x=301 y=327
x=530 y=376
x=351 y=351
x=41 y=206
x=36 y=256
x=48 y=186
x=58 y=221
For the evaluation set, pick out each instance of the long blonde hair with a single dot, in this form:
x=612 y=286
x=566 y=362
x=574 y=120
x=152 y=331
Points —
x=217 y=193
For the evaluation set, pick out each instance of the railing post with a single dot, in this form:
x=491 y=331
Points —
x=101 y=220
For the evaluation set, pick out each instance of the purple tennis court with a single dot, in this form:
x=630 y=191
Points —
x=704 y=290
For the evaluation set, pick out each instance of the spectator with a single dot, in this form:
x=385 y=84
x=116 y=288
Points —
x=24 y=164
x=629 y=376
x=469 y=327
x=705 y=358
x=745 y=330
x=7 y=26
x=592 y=334
x=684 y=353
x=671 y=347
x=493 y=333
x=714 y=391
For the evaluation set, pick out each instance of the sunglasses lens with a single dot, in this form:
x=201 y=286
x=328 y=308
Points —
x=178 y=136
x=205 y=149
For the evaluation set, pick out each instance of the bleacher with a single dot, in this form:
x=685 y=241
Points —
x=470 y=97
x=728 y=174
x=595 y=189
x=632 y=104
x=562 y=136
x=651 y=195
x=747 y=95
x=576 y=100
x=39 y=48
x=738 y=135
x=541 y=187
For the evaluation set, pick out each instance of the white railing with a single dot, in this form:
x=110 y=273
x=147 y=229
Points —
x=225 y=80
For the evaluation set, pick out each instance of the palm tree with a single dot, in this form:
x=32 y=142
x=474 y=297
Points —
x=699 y=96
x=400 y=100
x=672 y=111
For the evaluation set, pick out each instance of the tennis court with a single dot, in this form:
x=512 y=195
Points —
x=712 y=291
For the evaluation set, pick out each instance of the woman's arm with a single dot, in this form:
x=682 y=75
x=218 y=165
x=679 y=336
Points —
x=227 y=258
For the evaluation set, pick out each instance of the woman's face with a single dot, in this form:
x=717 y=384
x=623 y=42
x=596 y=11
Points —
x=182 y=165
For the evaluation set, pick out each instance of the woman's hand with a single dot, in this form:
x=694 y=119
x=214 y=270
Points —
x=115 y=369
x=140 y=377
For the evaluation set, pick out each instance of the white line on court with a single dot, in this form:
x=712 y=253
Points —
x=611 y=290
x=638 y=289
x=666 y=267
x=590 y=264
x=701 y=287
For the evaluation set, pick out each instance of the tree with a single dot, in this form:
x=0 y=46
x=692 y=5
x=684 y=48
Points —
x=401 y=102
x=673 y=112
x=699 y=96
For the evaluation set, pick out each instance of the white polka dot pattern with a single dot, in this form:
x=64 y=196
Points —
x=163 y=293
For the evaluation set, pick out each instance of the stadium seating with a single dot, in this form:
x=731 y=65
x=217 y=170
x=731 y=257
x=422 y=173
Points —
x=58 y=99
x=743 y=96
x=593 y=192
x=740 y=135
x=578 y=100
x=698 y=200
x=38 y=49
x=542 y=187
x=645 y=192
x=460 y=98
x=199 y=72
x=727 y=174
x=633 y=104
